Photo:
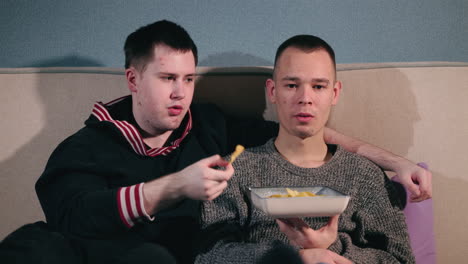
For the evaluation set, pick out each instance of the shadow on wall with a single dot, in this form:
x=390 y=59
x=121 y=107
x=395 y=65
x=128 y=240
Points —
x=67 y=61
x=63 y=107
x=232 y=87
x=381 y=106
x=233 y=59
x=377 y=106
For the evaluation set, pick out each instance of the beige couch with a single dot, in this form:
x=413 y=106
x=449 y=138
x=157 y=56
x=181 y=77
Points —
x=417 y=110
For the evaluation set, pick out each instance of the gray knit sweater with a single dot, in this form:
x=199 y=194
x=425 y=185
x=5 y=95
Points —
x=371 y=229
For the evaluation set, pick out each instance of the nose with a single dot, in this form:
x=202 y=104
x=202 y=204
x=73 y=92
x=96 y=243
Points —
x=178 y=91
x=304 y=95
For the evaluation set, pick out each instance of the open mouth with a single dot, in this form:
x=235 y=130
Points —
x=304 y=117
x=175 y=110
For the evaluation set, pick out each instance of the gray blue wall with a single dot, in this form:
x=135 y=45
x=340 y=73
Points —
x=233 y=33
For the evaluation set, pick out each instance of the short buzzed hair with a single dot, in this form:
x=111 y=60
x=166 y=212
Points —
x=306 y=43
x=139 y=45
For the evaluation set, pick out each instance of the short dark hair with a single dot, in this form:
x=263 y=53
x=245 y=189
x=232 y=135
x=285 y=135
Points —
x=139 y=45
x=306 y=43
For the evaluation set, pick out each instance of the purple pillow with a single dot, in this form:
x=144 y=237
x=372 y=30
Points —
x=420 y=222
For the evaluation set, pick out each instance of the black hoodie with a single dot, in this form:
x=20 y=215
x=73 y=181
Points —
x=91 y=186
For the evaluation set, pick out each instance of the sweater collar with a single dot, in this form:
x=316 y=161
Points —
x=118 y=113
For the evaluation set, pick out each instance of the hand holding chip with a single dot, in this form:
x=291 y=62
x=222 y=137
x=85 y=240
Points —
x=202 y=181
x=199 y=181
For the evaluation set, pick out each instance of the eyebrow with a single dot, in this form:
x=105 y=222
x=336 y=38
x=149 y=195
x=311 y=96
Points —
x=315 y=80
x=169 y=73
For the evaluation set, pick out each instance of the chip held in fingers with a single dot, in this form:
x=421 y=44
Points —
x=239 y=149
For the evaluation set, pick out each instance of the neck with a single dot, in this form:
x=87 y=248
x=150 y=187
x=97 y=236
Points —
x=311 y=152
x=156 y=141
x=152 y=138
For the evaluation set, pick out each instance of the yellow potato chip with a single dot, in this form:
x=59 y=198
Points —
x=236 y=153
x=293 y=193
x=276 y=196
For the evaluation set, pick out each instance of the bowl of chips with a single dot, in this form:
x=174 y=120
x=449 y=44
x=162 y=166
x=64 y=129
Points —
x=291 y=202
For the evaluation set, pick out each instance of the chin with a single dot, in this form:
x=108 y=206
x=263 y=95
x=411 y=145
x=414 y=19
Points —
x=173 y=126
x=304 y=133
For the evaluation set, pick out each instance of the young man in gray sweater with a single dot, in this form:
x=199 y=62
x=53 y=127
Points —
x=372 y=229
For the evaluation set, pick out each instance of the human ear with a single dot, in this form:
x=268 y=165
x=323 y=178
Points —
x=336 y=92
x=270 y=88
x=131 y=76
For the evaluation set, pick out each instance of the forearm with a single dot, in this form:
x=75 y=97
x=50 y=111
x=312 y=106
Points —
x=385 y=159
x=161 y=193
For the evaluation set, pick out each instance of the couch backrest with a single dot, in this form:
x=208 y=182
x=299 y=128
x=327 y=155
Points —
x=417 y=110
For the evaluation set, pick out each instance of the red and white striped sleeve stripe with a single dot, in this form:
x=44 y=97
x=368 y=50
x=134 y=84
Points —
x=128 y=131
x=130 y=202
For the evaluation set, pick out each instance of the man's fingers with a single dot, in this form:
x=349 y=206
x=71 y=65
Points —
x=333 y=222
x=215 y=160
x=415 y=199
x=415 y=193
x=424 y=187
x=217 y=191
x=284 y=224
x=339 y=259
x=426 y=184
x=299 y=224
x=214 y=196
x=287 y=229
x=219 y=175
x=412 y=187
x=423 y=178
x=423 y=196
x=211 y=159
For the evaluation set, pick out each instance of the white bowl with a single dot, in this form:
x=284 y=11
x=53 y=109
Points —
x=329 y=202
